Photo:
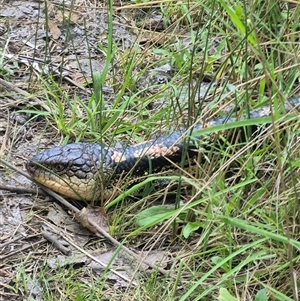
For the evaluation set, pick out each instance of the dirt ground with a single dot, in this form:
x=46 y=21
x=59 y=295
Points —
x=32 y=45
x=67 y=41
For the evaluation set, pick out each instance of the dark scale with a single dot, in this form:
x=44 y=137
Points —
x=139 y=163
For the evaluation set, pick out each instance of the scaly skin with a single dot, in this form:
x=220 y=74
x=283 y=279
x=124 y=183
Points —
x=88 y=171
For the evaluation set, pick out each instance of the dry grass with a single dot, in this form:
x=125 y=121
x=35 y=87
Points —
x=233 y=232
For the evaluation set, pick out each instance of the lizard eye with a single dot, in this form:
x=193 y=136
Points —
x=59 y=167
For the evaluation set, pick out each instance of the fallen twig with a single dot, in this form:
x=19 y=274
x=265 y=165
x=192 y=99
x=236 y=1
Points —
x=96 y=226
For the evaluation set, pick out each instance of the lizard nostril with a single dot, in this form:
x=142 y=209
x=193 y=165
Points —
x=30 y=166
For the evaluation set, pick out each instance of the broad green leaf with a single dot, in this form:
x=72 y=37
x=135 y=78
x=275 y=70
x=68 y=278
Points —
x=154 y=214
x=261 y=295
x=191 y=227
x=224 y=295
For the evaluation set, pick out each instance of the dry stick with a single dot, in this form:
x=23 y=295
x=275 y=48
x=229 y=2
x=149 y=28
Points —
x=56 y=243
x=96 y=226
x=58 y=197
x=22 y=249
x=20 y=190
x=98 y=261
x=17 y=238
x=57 y=69
x=12 y=87
x=4 y=140
x=89 y=255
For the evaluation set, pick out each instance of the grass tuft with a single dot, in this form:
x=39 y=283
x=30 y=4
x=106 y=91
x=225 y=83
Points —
x=232 y=229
